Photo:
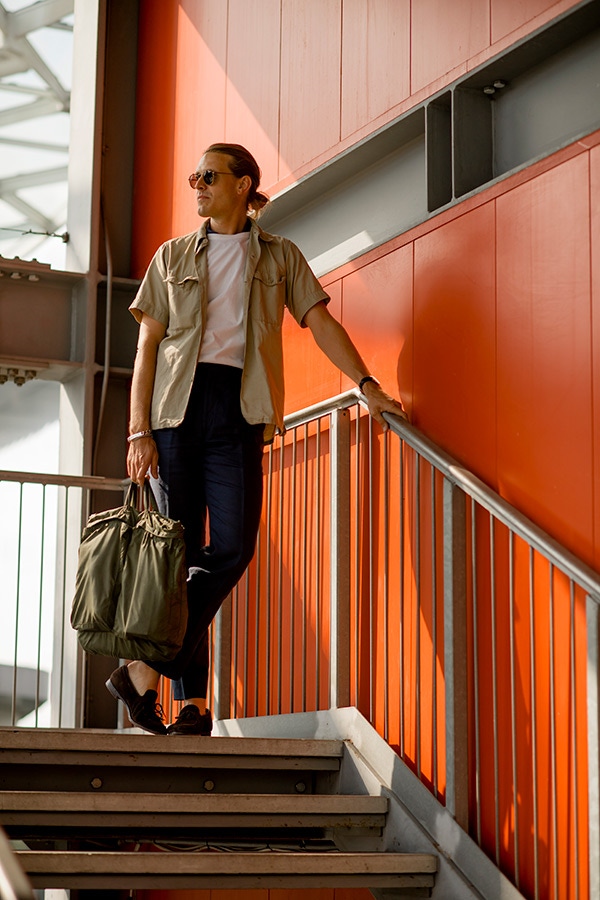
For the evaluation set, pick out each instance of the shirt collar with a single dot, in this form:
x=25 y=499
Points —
x=254 y=228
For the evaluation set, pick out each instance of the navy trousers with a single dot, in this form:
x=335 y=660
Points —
x=210 y=479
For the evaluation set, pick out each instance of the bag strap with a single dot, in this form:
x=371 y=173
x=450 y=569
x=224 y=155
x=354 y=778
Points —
x=148 y=498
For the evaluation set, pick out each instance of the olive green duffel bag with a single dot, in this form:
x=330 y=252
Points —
x=130 y=591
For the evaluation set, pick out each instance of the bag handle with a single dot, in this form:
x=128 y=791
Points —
x=147 y=500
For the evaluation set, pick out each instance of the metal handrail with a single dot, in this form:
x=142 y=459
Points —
x=518 y=523
x=90 y=482
x=458 y=555
x=457 y=474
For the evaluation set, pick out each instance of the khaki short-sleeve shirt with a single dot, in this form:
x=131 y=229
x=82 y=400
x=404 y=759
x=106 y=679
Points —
x=174 y=292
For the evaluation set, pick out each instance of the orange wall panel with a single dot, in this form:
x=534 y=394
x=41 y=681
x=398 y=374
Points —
x=252 y=106
x=544 y=357
x=310 y=80
x=444 y=36
x=377 y=313
x=309 y=376
x=156 y=93
x=507 y=15
x=201 y=86
x=454 y=338
x=375 y=60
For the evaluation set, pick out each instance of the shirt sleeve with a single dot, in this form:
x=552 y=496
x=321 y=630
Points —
x=152 y=296
x=303 y=287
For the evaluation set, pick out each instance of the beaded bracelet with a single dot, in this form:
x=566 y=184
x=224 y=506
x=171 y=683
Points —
x=139 y=434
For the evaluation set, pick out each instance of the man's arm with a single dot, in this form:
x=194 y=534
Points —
x=334 y=341
x=142 y=454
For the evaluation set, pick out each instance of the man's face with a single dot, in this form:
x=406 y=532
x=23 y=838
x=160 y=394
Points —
x=222 y=197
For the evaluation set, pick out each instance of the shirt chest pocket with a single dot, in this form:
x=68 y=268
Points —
x=184 y=302
x=268 y=295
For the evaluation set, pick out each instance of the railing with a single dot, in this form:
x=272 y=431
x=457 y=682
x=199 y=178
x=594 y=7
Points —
x=389 y=578
x=40 y=667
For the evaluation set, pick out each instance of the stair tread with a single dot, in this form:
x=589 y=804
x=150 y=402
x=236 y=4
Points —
x=230 y=862
x=82 y=747
x=88 y=802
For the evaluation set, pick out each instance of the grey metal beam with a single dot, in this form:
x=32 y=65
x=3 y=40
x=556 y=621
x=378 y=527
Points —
x=38 y=15
x=39 y=65
x=43 y=107
x=34 y=216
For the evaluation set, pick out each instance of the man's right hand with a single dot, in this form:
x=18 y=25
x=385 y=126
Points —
x=142 y=460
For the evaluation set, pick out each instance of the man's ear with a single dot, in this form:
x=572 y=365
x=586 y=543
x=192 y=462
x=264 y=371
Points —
x=244 y=184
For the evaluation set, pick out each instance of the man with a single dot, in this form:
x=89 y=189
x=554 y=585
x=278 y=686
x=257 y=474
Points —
x=207 y=393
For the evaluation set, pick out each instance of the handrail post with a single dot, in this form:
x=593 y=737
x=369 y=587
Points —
x=339 y=680
x=593 y=732
x=222 y=668
x=455 y=653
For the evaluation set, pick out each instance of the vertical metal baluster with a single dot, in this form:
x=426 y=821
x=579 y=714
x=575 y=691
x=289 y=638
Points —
x=339 y=584
x=63 y=608
x=434 y=632
x=574 y=742
x=357 y=557
x=234 y=655
x=280 y=586
x=386 y=597
x=534 y=766
x=244 y=704
x=476 y=669
x=257 y=607
x=513 y=699
x=40 y=609
x=304 y=552
x=401 y=564
x=371 y=577
x=592 y=679
x=418 y=611
x=318 y=608
x=268 y=579
x=553 y=739
x=13 y=714
x=293 y=569
x=455 y=652
x=494 y=690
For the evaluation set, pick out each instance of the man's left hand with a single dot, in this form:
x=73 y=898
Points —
x=380 y=402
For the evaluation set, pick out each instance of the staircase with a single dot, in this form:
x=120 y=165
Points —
x=104 y=810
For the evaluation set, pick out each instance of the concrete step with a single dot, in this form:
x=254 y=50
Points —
x=36 y=813
x=409 y=874
x=89 y=760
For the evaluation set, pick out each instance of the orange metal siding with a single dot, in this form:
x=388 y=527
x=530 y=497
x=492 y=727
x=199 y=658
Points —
x=485 y=317
x=545 y=459
x=375 y=60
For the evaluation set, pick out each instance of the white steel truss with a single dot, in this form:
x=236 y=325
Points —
x=30 y=90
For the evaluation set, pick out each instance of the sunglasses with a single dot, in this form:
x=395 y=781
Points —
x=208 y=177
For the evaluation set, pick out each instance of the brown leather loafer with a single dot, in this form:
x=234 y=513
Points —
x=143 y=711
x=191 y=721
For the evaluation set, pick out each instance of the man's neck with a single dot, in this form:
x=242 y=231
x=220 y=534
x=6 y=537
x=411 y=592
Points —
x=232 y=225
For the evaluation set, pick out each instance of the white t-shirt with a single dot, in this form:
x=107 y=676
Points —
x=224 y=339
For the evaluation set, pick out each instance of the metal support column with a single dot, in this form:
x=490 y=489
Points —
x=455 y=653
x=223 y=637
x=339 y=690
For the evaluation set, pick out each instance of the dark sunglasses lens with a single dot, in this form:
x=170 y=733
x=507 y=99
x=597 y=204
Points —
x=208 y=177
